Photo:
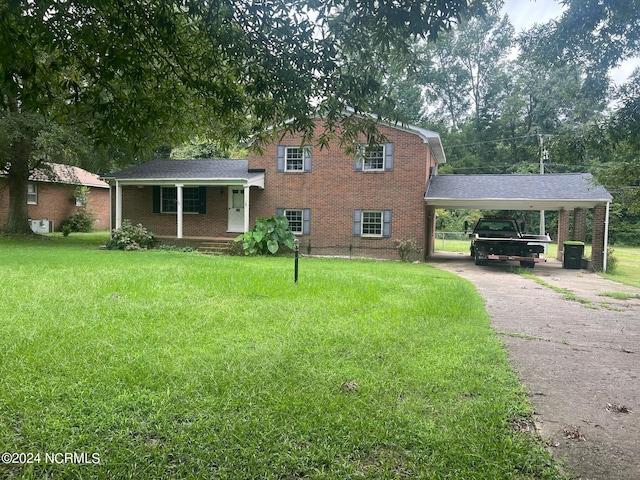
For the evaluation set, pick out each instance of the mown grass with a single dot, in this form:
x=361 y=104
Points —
x=173 y=365
x=627 y=266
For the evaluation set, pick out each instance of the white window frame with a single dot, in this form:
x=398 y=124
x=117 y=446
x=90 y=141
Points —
x=299 y=212
x=294 y=154
x=32 y=193
x=380 y=224
x=364 y=150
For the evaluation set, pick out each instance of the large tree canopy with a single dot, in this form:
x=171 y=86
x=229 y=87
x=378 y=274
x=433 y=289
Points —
x=124 y=74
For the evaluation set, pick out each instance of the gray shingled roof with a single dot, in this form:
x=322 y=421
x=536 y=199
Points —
x=196 y=169
x=516 y=192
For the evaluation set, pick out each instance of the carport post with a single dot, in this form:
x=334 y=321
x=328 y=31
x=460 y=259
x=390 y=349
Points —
x=606 y=239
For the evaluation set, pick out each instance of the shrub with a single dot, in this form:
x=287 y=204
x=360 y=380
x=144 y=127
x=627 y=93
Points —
x=408 y=249
x=130 y=237
x=81 y=222
x=267 y=236
x=612 y=260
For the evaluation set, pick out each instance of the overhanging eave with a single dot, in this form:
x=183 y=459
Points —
x=514 y=203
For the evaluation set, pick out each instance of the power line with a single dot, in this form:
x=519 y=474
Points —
x=498 y=140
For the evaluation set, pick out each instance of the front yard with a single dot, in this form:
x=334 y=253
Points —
x=170 y=365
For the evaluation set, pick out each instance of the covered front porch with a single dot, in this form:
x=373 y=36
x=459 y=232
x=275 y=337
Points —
x=186 y=199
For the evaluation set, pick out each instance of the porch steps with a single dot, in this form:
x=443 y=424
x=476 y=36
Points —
x=215 y=247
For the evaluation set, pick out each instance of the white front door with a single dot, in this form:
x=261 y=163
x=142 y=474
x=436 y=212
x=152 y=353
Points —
x=236 y=210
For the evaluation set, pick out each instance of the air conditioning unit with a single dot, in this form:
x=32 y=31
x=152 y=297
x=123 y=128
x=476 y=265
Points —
x=41 y=226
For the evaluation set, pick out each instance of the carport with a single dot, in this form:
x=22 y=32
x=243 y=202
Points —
x=568 y=193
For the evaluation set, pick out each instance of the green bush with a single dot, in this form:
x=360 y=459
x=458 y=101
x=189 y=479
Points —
x=81 y=222
x=408 y=250
x=267 y=236
x=130 y=237
x=612 y=260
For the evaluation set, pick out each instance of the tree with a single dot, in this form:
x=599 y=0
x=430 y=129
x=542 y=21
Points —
x=128 y=76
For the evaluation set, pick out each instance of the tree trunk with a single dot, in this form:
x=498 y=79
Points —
x=18 y=179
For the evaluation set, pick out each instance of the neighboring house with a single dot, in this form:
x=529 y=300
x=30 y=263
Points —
x=336 y=203
x=54 y=197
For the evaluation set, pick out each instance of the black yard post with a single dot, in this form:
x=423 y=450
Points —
x=295 y=268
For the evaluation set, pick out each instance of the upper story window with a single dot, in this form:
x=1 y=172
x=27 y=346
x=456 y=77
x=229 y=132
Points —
x=32 y=193
x=293 y=159
x=374 y=158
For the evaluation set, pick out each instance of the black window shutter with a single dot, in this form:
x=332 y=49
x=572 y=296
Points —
x=156 y=199
x=279 y=211
x=202 y=197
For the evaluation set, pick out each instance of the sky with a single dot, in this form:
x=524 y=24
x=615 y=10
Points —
x=526 y=13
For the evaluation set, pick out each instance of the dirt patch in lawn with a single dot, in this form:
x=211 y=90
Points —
x=574 y=339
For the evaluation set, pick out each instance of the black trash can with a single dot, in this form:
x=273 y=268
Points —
x=572 y=257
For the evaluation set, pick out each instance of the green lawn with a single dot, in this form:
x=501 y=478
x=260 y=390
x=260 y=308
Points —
x=171 y=365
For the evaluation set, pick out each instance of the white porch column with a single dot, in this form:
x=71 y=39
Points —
x=118 y=205
x=246 y=208
x=179 y=207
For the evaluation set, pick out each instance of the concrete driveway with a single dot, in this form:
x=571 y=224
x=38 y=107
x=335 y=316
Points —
x=578 y=354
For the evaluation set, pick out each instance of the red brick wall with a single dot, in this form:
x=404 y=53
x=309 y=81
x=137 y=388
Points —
x=333 y=189
x=137 y=206
x=597 y=241
x=563 y=231
x=57 y=202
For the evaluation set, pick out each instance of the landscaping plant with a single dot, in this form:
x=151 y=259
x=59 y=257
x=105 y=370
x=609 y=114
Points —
x=268 y=236
x=130 y=237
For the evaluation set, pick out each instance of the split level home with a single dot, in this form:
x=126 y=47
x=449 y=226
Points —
x=54 y=196
x=337 y=203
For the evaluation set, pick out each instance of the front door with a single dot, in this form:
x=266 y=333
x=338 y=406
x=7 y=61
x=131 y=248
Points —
x=236 y=210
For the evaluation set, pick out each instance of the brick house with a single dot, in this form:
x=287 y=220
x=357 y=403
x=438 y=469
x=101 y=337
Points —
x=336 y=203
x=341 y=204
x=53 y=197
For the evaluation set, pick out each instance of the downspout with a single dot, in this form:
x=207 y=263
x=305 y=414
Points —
x=606 y=239
x=118 y=205
x=110 y=211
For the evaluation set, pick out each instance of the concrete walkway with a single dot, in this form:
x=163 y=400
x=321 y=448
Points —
x=578 y=354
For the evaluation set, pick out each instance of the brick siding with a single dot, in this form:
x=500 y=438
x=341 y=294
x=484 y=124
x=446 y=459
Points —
x=597 y=242
x=137 y=206
x=333 y=189
x=56 y=202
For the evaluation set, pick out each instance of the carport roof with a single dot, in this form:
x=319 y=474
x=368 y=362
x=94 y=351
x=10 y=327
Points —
x=516 y=191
